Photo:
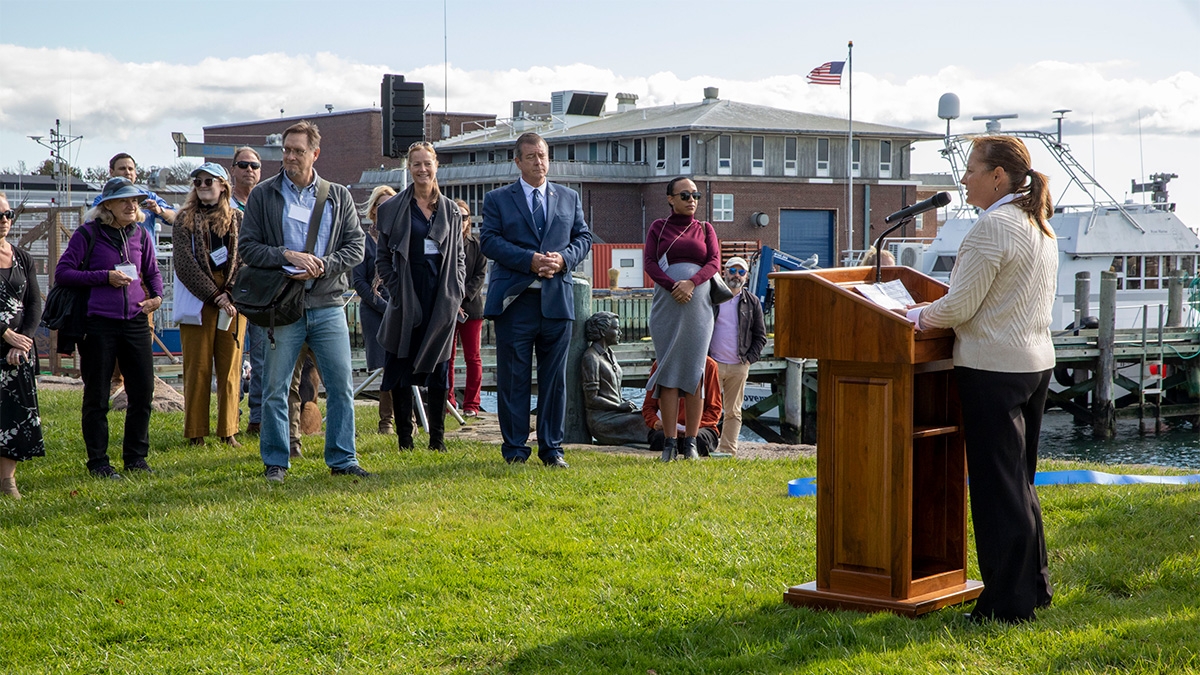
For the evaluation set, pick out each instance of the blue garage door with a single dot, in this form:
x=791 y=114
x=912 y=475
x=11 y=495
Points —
x=803 y=233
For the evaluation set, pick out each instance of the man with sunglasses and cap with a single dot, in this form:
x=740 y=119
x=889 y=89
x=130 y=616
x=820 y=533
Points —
x=739 y=335
x=244 y=175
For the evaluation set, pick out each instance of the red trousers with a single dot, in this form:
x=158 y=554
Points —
x=468 y=333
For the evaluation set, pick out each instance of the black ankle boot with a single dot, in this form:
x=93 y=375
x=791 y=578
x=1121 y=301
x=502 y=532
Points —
x=403 y=408
x=687 y=449
x=669 y=450
x=435 y=411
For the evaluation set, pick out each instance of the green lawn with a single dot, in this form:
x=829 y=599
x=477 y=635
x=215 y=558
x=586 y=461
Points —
x=457 y=562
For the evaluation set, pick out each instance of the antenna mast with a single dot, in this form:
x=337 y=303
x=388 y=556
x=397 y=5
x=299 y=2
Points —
x=62 y=174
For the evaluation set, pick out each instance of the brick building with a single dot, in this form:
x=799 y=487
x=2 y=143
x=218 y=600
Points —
x=351 y=141
x=772 y=176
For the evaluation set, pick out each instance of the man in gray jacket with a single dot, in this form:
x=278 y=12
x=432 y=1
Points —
x=273 y=236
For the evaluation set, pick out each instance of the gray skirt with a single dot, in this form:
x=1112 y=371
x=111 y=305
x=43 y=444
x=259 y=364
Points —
x=681 y=334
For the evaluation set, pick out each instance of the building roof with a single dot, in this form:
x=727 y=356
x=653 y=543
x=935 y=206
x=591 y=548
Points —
x=715 y=116
x=312 y=117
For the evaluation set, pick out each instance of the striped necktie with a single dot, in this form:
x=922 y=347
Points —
x=539 y=214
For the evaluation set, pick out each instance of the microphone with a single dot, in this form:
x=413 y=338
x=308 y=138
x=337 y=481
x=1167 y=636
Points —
x=935 y=202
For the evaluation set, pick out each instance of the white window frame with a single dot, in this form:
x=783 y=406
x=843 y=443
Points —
x=685 y=154
x=856 y=158
x=722 y=206
x=885 y=167
x=660 y=156
x=724 y=161
x=639 y=151
x=823 y=162
x=758 y=155
x=791 y=150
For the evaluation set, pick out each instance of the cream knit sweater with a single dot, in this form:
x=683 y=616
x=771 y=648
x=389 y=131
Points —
x=1001 y=295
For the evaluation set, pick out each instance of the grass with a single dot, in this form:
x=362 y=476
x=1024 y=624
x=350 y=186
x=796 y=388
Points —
x=457 y=562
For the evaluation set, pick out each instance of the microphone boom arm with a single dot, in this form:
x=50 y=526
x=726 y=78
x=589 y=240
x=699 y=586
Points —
x=879 y=244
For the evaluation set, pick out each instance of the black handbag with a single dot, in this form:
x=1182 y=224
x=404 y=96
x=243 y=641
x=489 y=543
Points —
x=718 y=290
x=65 y=309
x=267 y=296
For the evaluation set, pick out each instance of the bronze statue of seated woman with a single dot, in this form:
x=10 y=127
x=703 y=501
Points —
x=611 y=419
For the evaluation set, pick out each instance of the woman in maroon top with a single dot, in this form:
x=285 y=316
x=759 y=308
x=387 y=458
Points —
x=681 y=255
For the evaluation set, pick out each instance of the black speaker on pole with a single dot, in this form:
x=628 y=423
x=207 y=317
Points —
x=403 y=106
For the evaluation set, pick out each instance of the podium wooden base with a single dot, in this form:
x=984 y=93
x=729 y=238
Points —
x=807 y=595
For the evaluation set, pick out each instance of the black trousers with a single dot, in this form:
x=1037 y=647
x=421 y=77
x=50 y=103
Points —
x=1002 y=418
x=399 y=378
x=110 y=342
x=706 y=440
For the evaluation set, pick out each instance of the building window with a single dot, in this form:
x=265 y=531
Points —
x=758 y=156
x=725 y=155
x=571 y=152
x=637 y=151
x=789 y=157
x=491 y=156
x=593 y=152
x=471 y=158
x=510 y=154
x=722 y=206
x=885 y=159
x=1150 y=272
x=660 y=158
x=614 y=152
x=685 y=153
x=822 y=156
x=856 y=159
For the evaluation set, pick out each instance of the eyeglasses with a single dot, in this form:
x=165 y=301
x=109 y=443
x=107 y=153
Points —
x=688 y=196
x=206 y=182
x=248 y=165
x=9 y=214
x=738 y=271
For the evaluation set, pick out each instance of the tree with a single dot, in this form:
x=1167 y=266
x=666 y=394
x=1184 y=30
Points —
x=180 y=173
x=96 y=174
x=46 y=168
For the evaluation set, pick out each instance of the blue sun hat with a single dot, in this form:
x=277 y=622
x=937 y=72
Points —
x=212 y=169
x=120 y=188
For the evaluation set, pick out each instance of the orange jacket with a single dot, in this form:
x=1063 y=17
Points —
x=711 y=386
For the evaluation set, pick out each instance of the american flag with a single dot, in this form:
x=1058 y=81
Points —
x=829 y=72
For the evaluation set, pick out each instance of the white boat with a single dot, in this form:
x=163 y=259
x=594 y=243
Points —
x=1142 y=243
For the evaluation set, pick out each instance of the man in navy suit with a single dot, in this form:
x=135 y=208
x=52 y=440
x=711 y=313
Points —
x=535 y=233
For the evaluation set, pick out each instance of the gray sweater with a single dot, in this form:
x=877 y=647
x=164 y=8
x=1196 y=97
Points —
x=260 y=242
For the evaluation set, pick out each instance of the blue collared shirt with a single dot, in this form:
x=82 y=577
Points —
x=295 y=230
x=149 y=223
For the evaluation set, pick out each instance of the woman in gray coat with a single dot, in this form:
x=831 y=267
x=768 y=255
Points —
x=421 y=262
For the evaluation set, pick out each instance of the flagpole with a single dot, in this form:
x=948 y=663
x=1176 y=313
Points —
x=850 y=149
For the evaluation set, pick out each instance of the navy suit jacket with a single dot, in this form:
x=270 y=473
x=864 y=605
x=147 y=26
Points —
x=509 y=238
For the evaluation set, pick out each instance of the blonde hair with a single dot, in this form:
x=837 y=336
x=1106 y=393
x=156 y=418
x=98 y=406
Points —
x=370 y=208
x=437 y=192
x=223 y=209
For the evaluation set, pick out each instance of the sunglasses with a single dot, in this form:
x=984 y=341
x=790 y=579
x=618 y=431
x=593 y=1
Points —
x=206 y=182
x=738 y=271
x=248 y=165
x=9 y=214
x=688 y=196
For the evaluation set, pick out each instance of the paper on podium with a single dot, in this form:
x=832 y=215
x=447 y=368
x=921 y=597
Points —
x=888 y=294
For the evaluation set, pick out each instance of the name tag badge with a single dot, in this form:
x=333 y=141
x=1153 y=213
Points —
x=219 y=256
x=297 y=212
x=128 y=269
x=431 y=247
x=662 y=263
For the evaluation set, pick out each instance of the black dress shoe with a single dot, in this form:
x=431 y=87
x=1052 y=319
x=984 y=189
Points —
x=138 y=466
x=558 y=463
x=514 y=460
x=352 y=470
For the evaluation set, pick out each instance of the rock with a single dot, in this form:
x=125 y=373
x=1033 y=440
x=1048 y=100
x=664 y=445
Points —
x=166 y=399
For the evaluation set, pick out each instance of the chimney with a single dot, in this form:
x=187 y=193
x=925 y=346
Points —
x=710 y=95
x=626 y=102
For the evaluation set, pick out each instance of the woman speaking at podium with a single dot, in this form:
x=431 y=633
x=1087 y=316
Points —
x=999 y=305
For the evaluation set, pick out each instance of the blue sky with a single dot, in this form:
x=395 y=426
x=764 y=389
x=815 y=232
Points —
x=125 y=75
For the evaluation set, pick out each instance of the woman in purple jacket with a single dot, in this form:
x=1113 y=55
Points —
x=124 y=284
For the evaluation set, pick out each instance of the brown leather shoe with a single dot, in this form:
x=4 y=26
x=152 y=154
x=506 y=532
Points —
x=196 y=441
x=231 y=442
x=386 y=428
x=254 y=428
x=294 y=451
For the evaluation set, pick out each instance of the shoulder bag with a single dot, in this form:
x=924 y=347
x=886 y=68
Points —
x=65 y=309
x=185 y=306
x=268 y=297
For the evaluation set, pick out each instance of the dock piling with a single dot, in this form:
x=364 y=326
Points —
x=1083 y=298
x=1104 y=417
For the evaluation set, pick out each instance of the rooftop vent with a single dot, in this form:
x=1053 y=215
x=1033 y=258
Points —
x=710 y=94
x=626 y=102
x=587 y=103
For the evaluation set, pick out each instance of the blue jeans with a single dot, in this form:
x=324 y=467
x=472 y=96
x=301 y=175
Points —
x=327 y=334
x=256 y=340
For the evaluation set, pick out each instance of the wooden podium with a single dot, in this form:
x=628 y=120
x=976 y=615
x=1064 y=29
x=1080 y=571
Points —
x=891 y=469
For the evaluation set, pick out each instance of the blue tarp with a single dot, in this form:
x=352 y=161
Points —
x=807 y=487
